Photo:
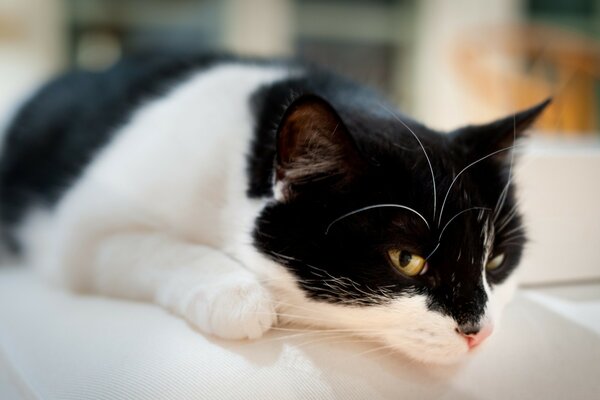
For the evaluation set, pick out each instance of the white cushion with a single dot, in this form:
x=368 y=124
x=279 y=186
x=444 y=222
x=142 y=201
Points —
x=57 y=345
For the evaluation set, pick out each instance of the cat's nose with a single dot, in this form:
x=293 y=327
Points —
x=475 y=333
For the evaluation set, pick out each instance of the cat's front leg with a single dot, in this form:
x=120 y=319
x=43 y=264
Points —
x=230 y=304
x=209 y=289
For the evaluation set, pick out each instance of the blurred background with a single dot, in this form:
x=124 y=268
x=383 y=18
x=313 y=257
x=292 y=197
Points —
x=443 y=62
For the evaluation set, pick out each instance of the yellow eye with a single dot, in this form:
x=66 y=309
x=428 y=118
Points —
x=495 y=262
x=407 y=263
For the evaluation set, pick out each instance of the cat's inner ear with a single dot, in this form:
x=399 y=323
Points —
x=313 y=144
x=482 y=140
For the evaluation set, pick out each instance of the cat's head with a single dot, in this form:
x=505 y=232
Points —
x=392 y=230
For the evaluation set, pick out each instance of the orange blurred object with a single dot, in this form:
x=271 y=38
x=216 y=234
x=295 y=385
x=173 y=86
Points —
x=525 y=64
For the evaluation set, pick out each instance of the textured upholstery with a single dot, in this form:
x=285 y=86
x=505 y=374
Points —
x=56 y=345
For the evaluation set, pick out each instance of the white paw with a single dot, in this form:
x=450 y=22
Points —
x=234 y=308
x=236 y=311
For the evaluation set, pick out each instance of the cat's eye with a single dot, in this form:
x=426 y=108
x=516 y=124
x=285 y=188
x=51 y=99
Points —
x=406 y=262
x=495 y=262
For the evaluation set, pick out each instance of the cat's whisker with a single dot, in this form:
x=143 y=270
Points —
x=461 y=172
x=424 y=152
x=508 y=238
x=514 y=230
x=510 y=243
x=285 y=336
x=282 y=256
x=373 y=207
x=504 y=192
x=291 y=306
x=509 y=217
x=331 y=338
x=456 y=216
x=342 y=282
x=305 y=335
x=376 y=349
x=433 y=251
x=391 y=352
x=299 y=317
x=327 y=331
x=500 y=203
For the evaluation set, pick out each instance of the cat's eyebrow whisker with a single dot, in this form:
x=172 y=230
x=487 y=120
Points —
x=511 y=238
x=501 y=199
x=462 y=171
x=456 y=216
x=432 y=251
x=376 y=206
x=510 y=243
x=504 y=193
x=509 y=217
x=514 y=230
x=424 y=152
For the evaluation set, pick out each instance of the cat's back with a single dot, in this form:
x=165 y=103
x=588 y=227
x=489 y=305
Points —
x=58 y=130
x=61 y=130
x=150 y=124
x=158 y=131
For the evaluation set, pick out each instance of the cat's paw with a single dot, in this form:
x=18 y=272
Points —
x=235 y=308
x=239 y=310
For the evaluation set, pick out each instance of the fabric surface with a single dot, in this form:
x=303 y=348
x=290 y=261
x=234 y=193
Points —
x=57 y=345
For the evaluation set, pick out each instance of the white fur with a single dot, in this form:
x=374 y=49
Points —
x=161 y=215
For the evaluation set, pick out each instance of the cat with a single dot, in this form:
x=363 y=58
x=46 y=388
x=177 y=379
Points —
x=240 y=194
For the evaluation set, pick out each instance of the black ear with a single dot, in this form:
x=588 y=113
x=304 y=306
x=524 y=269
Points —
x=313 y=144
x=482 y=140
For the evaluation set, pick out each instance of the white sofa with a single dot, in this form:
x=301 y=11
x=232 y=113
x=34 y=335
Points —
x=57 y=345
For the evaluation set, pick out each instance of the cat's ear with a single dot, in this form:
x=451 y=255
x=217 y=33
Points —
x=481 y=140
x=313 y=144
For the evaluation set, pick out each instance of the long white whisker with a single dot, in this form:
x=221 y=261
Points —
x=458 y=214
x=460 y=173
x=514 y=230
x=504 y=193
x=507 y=219
x=375 y=206
x=424 y=152
x=326 y=330
x=516 y=243
x=433 y=251
x=379 y=348
x=510 y=238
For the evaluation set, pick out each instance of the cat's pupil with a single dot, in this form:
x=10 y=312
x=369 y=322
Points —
x=405 y=258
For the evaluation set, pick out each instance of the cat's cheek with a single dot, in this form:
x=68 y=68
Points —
x=498 y=297
x=424 y=335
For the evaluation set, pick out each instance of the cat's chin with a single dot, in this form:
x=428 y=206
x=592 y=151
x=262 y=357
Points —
x=454 y=351
x=427 y=357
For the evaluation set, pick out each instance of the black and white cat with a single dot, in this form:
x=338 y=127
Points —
x=240 y=194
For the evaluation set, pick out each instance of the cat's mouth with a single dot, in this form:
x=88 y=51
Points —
x=431 y=346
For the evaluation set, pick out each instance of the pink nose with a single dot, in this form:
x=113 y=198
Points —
x=476 y=338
